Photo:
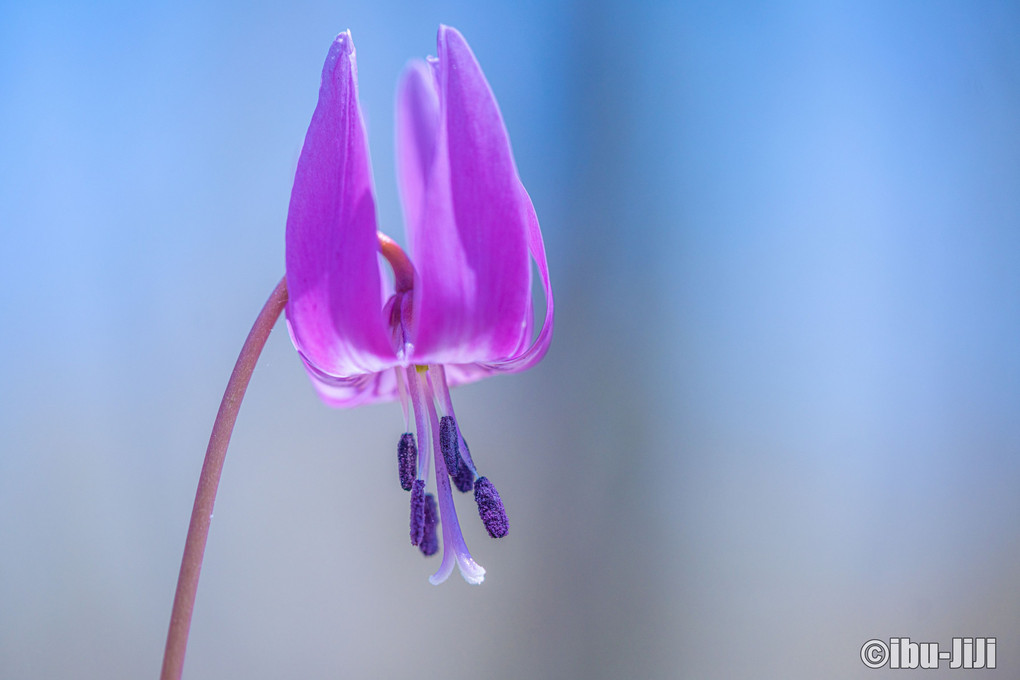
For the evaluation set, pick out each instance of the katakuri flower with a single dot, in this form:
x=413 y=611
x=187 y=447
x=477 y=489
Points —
x=457 y=310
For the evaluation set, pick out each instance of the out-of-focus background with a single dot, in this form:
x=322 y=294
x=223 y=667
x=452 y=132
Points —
x=779 y=418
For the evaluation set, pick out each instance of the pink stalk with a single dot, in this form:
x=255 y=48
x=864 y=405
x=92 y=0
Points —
x=209 y=479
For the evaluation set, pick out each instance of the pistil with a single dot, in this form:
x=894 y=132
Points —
x=454 y=548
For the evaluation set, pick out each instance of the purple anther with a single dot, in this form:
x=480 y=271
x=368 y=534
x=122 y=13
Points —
x=430 y=541
x=448 y=444
x=407 y=460
x=464 y=479
x=490 y=508
x=418 y=514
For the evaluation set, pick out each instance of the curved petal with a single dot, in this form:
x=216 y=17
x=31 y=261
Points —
x=357 y=390
x=470 y=247
x=529 y=355
x=335 y=309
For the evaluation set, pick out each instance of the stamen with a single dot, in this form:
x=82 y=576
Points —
x=407 y=460
x=421 y=417
x=418 y=520
x=448 y=444
x=447 y=403
x=430 y=541
x=455 y=450
x=402 y=391
x=393 y=312
x=490 y=508
x=464 y=480
x=465 y=477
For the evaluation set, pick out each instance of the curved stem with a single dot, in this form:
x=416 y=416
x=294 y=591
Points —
x=403 y=271
x=209 y=479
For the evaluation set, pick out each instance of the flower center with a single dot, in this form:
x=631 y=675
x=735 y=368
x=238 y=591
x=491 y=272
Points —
x=398 y=309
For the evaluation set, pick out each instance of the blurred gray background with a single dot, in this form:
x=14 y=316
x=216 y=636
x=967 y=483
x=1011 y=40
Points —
x=779 y=417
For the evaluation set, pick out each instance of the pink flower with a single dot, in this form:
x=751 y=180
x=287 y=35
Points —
x=457 y=310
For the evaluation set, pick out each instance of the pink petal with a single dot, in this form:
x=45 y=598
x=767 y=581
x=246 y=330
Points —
x=417 y=127
x=336 y=299
x=528 y=355
x=365 y=388
x=470 y=246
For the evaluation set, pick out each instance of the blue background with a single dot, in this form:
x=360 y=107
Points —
x=779 y=417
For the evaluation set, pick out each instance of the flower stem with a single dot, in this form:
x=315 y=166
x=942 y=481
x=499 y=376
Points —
x=209 y=479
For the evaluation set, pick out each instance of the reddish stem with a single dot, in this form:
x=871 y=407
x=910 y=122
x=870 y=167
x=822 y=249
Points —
x=403 y=271
x=208 y=481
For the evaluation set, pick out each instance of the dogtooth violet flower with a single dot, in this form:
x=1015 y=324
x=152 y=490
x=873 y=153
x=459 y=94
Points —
x=459 y=306
x=459 y=309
